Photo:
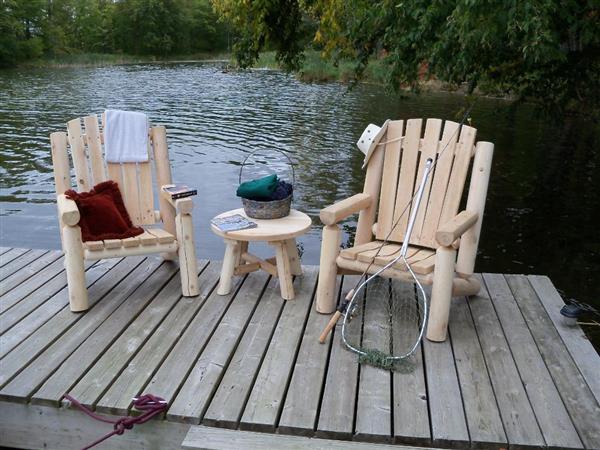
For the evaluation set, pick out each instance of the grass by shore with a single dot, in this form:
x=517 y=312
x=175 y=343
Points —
x=108 y=59
x=317 y=70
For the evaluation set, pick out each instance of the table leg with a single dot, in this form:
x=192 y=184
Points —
x=294 y=258
x=229 y=262
x=284 y=271
x=242 y=248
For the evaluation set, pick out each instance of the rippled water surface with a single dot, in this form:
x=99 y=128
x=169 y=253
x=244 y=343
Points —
x=542 y=211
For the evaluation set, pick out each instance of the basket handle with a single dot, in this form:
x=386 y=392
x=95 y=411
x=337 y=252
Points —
x=273 y=149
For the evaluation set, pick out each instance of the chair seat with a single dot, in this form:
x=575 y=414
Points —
x=421 y=260
x=149 y=238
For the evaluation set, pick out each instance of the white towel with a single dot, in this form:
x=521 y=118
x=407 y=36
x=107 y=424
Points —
x=125 y=136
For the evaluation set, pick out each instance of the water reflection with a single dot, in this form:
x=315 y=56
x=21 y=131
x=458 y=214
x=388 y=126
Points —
x=544 y=194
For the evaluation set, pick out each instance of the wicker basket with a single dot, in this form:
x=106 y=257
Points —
x=274 y=209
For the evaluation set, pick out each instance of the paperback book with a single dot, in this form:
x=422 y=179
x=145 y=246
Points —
x=179 y=191
x=235 y=222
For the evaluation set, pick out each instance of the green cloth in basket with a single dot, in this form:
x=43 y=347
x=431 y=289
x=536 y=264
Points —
x=261 y=188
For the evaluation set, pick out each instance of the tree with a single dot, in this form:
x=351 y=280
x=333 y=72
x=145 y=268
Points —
x=547 y=50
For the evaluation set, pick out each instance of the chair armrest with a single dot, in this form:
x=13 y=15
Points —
x=342 y=209
x=181 y=205
x=453 y=229
x=67 y=210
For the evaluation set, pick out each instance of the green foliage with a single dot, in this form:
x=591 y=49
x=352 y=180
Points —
x=547 y=50
x=30 y=29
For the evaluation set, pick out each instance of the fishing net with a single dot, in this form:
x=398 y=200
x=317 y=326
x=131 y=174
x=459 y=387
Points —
x=384 y=323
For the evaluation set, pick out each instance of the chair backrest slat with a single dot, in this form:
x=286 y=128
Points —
x=443 y=168
x=115 y=173
x=429 y=149
x=389 y=177
x=406 y=182
x=131 y=192
x=462 y=160
x=82 y=173
x=146 y=197
x=403 y=171
x=92 y=133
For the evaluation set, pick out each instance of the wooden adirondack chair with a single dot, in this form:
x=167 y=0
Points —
x=393 y=173
x=175 y=237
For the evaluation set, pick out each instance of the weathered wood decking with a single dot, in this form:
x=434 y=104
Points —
x=510 y=375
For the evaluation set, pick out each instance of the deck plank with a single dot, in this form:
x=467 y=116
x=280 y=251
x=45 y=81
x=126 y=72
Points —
x=59 y=324
x=579 y=346
x=483 y=418
x=27 y=297
x=411 y=412
x=78 y=363
x=24 y=274
x=374 y=403
x=447 y=414
x=577 y=396
x=230 y=398
x=550 y=413
x=142 y=346
x=299 y=414
x=32 y=376
x=200 y=437
x=197 y=391
x=3 y=250
x=11 y=255
x=268 y=393
x=47 y=311
x=336 y=418
x=10 y=270
x=176 y=367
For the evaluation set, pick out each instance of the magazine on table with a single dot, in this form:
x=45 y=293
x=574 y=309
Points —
x=235 y=222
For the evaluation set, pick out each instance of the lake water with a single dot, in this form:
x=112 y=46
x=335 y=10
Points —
x=544 y=196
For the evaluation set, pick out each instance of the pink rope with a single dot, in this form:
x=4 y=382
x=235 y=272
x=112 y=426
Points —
x=150 y=404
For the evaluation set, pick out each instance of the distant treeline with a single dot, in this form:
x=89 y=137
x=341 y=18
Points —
x=31 y=29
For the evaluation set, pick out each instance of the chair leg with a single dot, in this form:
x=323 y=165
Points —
x=228 y=268
x=187 y=255
x=74 y=265
x=330 y=248
x=441 y=294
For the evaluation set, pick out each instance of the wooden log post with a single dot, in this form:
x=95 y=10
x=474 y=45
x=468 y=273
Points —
x=330 y=248
x=441 y=294
x=228 y=268
x=74 y=265
x=480 y=177
x=163 y=177
x=187 y=255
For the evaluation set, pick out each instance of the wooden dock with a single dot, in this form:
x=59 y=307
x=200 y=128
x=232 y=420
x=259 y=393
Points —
x=509 y=376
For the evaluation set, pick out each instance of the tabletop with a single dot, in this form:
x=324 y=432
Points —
x=288 y=227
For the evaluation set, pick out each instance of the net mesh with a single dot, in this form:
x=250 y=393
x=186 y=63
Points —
x=383 y=323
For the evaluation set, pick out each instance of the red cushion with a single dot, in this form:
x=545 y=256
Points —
x=103 y=213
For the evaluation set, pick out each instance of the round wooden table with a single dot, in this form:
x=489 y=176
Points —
x=280 y=233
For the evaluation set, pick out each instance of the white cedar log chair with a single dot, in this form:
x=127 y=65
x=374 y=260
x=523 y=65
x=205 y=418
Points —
x=173 y=239
x=393 y=174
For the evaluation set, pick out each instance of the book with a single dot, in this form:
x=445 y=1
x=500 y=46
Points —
x=179 y=191
x=235 y=222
